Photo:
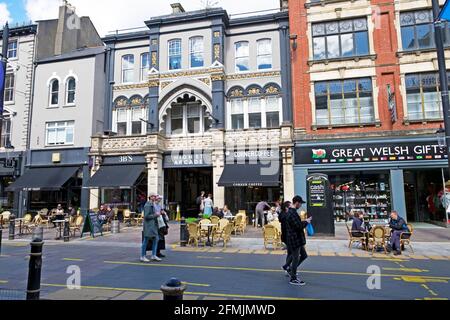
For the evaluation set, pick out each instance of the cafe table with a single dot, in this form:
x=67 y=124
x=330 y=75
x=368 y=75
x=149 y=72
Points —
x=60 y=224
x=210 y=226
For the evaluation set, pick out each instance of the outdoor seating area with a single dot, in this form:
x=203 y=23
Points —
x=212 y=230
x=378 y=238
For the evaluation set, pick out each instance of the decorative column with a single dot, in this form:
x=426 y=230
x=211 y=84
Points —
x=155 y=173
x=287 y=150
x=153 y=83
x=218 y=163
x=96 y=145
x=218 y=72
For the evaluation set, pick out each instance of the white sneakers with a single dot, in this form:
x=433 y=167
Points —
x=153 y=258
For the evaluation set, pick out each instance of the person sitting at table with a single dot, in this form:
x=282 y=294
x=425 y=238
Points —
x=59 y=215
x=71 y=211
x=358 y=226
x=102 y=214
x=398 y=226
x=220 y=213
x=216 y=212
x=227 y=213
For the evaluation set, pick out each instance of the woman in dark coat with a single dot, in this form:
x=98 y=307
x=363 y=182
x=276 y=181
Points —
x=282 y=218
x=151 y=231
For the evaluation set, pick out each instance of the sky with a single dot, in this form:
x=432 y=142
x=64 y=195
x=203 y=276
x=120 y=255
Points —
x=110 y=15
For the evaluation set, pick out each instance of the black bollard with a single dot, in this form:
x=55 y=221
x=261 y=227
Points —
x=183 y=233
x=34 y=269
x=173 y=290
x=12 y=226
x=66 y=231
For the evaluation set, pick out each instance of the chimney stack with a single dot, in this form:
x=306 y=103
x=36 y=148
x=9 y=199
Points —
x=284 y=5
x=177 y=8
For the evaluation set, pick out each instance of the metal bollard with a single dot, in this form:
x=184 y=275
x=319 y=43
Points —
x=34 y=268
x=66 y=231
x=183 y=233
x=173 y=290
x=115 y=226
x=12 y=227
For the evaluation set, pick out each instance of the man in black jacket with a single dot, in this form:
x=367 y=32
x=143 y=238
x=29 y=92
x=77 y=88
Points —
x=399 y=227
x=296 y=240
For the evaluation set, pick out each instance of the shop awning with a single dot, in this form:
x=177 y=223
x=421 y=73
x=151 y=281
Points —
x=52 y=178
x=120 y=176
x=250 y=175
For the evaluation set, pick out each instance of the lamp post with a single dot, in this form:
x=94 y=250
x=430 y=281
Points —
x=209 y=115
x=440 y=134
x=443 y=134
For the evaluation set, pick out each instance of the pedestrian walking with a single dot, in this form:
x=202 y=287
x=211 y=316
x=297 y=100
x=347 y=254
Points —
x=163 y=227
x=282 y=217
x=200 y=201
x=296 y=241
x=151 y=231
x=209 y=205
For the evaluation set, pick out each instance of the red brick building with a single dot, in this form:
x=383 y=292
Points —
x=366 y=100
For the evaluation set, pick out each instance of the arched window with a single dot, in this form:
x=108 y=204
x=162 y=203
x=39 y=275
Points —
x=70 y=90
x=54 y=92
x=175 y=54
x=196 y=49
x=264 y=58
x=128 y=68
x=242 y=54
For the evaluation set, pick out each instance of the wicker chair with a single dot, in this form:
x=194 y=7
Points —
x=377 y=238
x=356 y=239
x=139 y=220
x=77 y=225
x=226 y=234
x=214 y=219
x=127 y=217
x=219 y=230
x=271 y=236
x=5 y=218
x=238 y=227
x=28 y=223
x=405 y=238
x=195 y=235
x=203 y=229
x=45 y=219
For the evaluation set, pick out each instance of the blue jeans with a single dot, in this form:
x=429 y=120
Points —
x=154 y=246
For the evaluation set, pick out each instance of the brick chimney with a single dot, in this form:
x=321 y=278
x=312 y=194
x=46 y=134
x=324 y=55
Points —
x=177 y=8
x=284 y=5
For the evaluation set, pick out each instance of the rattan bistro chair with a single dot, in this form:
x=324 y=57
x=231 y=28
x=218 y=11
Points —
x=195 y=235
x=405 y=238
x=226 y=234
x=356 y=239
x=271 y=236
x=77 y=225
x=377 y=238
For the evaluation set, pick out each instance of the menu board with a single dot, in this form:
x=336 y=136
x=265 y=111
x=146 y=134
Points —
x=92 y=225
x=317 y=186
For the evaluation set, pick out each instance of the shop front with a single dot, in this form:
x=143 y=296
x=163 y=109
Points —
x=377 y=176
x=52 y=178
x=250 y=177
x=120 y=182
x=10 y=170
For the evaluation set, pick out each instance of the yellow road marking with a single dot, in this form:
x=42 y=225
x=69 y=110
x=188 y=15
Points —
x=73 y=259
x=418 y=257
x=278 y=252
x=230 y=250
x=246 y=251
x=417 y=279
x=412 y=270
x=427 y=278
x=437 y=299
x=261 y=252
x=207 y=294
x=327 y=254
x=345 y=254
x=437 y=258
x=313 y=253
x=3 y=282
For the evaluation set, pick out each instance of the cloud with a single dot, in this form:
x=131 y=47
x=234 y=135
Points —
x=110 y=15
x=5 y=15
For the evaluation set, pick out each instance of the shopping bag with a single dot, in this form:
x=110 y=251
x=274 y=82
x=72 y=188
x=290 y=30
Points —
x=310 y=230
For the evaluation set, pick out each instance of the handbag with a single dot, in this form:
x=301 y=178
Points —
x=310 y=230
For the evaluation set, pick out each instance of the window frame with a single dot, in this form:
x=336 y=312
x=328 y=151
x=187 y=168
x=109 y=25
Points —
x=128 y=110
x=359 y=94
x=16 y=49
x=69 y=124
x=339 y=34
x=169 y=55
x=192 y=52
x=262 y=55
x=51 y=93
x=143 y=75
x=185 y=118
x=10 y=90
x=67 y=92
x=237 y=57
x=130 y=69
x=6 y=134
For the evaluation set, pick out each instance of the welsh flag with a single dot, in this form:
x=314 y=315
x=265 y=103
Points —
x=319 y=153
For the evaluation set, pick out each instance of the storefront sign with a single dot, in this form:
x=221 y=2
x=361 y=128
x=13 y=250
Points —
x=124 y=159
x=377 y=152
x=187 y=159
x=242 y=156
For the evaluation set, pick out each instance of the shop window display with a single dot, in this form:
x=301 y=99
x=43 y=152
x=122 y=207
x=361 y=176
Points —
x=368 y=193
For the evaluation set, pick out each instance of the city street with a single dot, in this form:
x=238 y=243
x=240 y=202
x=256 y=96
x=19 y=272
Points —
x=111 y=270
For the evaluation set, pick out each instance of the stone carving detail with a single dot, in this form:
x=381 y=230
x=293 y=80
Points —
x=237 y=93
x=153 y=83
x=217 y=51
x=216 y=34
x=205 y=81
x=253 y=75
x=254 y=91
x=165 y=84
x=131 y=86
x=272 y=90
x=154 y=58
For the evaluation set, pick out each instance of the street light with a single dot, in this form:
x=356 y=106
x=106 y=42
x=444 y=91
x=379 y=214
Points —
x=209 y=115
x=148 y=122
